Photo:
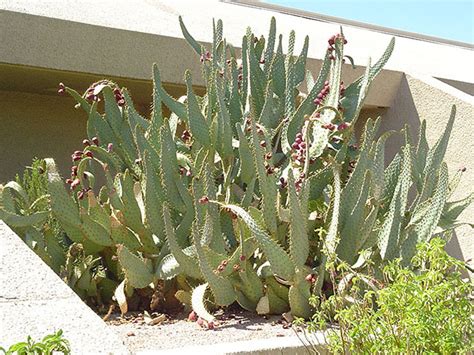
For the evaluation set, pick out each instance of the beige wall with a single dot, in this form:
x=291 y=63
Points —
x=37 y=125
x=36 y=121
x=431 y=100
x=434 y=105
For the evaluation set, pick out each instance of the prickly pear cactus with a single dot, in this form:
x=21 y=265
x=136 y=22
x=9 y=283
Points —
x=250 y=193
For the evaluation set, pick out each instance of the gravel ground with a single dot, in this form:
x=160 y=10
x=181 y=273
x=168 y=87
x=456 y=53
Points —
x=176 y=332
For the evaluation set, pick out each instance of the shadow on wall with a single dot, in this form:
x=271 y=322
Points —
x=403 y=111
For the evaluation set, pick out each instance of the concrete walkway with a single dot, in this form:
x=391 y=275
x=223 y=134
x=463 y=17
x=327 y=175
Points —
x=35 y=301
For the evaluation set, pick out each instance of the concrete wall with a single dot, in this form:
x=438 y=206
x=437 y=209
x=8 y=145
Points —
x=37 y=125
x=433 y=103
x=425 y=98
x=36 y=122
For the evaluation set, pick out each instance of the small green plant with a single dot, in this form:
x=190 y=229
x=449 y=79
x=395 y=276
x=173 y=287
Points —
x=53 y=343
x=25 y=207
x=424 y=310
x=35 y=184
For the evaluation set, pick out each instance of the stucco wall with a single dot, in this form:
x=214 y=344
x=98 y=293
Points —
x=37 y=125
x=433 y=104
x=44 y=124
x=431 y=100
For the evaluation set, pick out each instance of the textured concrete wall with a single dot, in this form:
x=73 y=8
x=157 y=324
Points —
x=45 y=124
x=160 y=18
x=433 y=101
x=37 y=125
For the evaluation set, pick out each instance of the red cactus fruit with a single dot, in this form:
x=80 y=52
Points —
x=192 y=316
x=86 y=142
x=342 y=126
x=309 y=278
x=331 y=40
x=210 y=325
x=200 y=321
x=75 y=183
x=69 y=181
x=110 y=147
x=95 y=140
x=61 y=89
x=242 y=258
x=203 y=200
x=89 y=154
x=74 y=170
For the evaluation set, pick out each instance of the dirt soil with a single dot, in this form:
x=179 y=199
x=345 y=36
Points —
x=177 y=331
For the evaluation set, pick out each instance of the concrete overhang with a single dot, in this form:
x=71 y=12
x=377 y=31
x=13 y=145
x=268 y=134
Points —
x=37 y=51
x=45 y=42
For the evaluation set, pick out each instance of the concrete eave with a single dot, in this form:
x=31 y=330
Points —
x=32 y=44
x=414 y=52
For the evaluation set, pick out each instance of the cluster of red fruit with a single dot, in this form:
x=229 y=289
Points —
x=240 y=75
x=332 y=41
x=186 y=136
x=193 y=317
x=351 y=166
x=310 y=278
x=203 y=200
x=332 y=127
x=322 y=94
x=248 y=126
x=269 y=169
x=206 y=56
x=74 y=182
x=225 y=262
x=184 y=172
x=91 y=95
x=299 y=147
x=78 y=154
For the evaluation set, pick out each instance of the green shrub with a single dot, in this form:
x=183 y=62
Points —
x=53 y=343
x=35 y=183
x=425 y=310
